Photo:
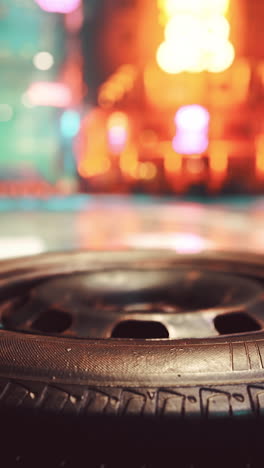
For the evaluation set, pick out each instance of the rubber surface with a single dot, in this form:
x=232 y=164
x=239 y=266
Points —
x=195 y=393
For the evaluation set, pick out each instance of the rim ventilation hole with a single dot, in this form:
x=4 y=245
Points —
x=140 y=329
x=52 y=321
x=239 y=322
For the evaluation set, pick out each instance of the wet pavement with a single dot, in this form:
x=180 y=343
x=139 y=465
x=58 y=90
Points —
x=105 y=222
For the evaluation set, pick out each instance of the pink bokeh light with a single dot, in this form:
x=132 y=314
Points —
x=44 y=93
x=117 y=138
x=190 y=142
x=58 y=6
x=192 y=125
x=193 y=118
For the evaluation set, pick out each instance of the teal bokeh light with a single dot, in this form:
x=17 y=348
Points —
x=70 y=123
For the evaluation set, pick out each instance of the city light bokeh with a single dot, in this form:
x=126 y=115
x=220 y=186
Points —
x=196 y=37
x=58 y=6
x=153 y=96
x=192 y=125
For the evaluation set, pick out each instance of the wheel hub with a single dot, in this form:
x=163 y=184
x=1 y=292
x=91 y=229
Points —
x=172 y=300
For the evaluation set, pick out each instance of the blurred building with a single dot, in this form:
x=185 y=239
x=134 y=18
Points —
x=156 y=96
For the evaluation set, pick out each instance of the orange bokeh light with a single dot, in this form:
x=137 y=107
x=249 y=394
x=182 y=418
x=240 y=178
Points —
x=196 y=37
x=218 y=157
x=260 y=155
